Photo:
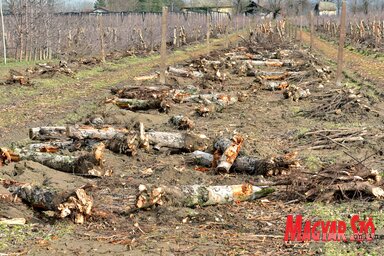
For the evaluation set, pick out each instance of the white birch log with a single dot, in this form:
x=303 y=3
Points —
x=89 y=132
x=184 y=141
x=198 y=195
x=47 y=133
x=230 y=154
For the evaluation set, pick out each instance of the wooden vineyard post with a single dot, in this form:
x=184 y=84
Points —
x=208 y=31
x=163 y=48
x=227 y=34
x=101 y=35
x=340 y=54
x=312 y=30
x=301 y=25
x=3 y=33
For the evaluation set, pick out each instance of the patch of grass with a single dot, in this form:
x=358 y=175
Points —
x=343 y=211
x=12 y=237
x=313 y=162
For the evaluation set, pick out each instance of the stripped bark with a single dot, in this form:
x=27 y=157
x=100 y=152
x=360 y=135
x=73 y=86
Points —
x=198 y=195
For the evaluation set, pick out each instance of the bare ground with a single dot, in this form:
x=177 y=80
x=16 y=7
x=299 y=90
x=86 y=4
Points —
x=270 y=124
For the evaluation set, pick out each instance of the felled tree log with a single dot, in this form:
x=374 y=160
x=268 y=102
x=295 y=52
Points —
x=184 y=73
x=124 y=144
x=54 y=146
x=183 y=141
x=135 y=104
x=251 y=165
x=182 y=122
x=273 y=75
x=141 y=92
x=47 y=133
x=65 y=203
x=90 y=163
x=268 y=63
x=221 y=99
x=198 y=195
x=296 y=93
x=89 y=132
x=146 y=78
x=230 y=154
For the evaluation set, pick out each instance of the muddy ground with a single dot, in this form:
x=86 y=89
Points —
x=271 y=125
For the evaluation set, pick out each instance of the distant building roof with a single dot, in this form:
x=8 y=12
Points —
x=100 y=10
x=326 y=6
x=208 y=4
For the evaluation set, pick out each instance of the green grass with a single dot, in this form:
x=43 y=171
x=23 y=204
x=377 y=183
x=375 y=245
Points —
x=343 y=211
x=14 y=237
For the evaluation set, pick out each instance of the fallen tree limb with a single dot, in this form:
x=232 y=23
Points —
x=141 y=92
x=198 y=195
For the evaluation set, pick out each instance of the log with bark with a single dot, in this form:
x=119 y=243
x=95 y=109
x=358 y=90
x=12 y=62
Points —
x=182 y=122
x=185 y=73
x=47 y=132
x=76 y=204
x=124 y=144
x=141 y=92
x=85 y=163
x=198 y=195
x=183 y=141
x=230 y=154
x=296 y=93
x=146 y=78
x=135 y=104
x=54 y=146
x=268 y=63
x=251 y=165
x=89 y=132
x=221 y=99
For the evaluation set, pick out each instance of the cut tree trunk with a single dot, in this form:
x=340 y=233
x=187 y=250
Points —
x=198 y=195
x=182 y=122
x=141 y=93
x=220 y=99
x=76 y=204
x=184 y=73
x=90 y=163
x=89 y=132
x=251 y=165
x=123 y=144
x=47 y=133
x=135 y=104
x=146 y=78
x=183 y=141
x=230 y=154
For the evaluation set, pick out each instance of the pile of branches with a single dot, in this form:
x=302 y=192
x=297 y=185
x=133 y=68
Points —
x=339 y=103
x=334 y=138
x=338 y=182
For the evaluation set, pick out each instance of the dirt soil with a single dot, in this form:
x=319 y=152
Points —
x=271 y=125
